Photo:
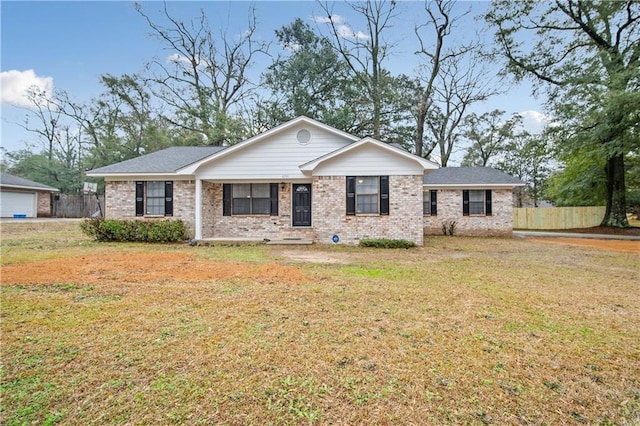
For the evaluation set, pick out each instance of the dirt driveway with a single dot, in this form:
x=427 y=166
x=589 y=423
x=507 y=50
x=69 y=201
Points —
x=625 y=246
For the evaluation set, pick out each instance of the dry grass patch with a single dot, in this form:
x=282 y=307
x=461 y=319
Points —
x=142 y=268
x=462 y=331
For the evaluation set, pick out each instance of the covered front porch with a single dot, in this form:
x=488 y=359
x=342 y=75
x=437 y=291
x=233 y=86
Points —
x=253 y=211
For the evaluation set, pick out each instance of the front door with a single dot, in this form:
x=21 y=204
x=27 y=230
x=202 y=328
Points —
x=301 y=204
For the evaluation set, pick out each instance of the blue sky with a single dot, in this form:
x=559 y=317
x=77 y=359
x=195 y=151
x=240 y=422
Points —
x=68 y=45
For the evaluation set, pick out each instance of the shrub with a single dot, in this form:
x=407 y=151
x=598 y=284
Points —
x=633 y=203
x=155 y=231
x=386 y=243
x=449 y=227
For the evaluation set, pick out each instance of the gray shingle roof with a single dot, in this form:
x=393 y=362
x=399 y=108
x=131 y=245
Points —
x=12 y=181
x=165 y=161
x=469 y=176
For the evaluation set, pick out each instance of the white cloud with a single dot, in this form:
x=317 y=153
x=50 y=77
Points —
x=535 y=121
x=176 y=58
x=361 y=36
x=336 y=19
x=15 y=86
x=345 y=31
x=342 y=28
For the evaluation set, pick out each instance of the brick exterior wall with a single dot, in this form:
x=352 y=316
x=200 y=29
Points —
x=43 y=204
x=449 y=208
x=403 y=222
x=120 y=201
x=405 y=219
x=328 y=214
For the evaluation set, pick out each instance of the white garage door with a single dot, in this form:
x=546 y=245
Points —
x=12 y=203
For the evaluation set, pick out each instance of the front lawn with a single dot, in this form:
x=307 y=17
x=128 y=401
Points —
x=462 y=331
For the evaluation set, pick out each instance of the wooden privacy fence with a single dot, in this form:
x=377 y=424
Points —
x=75 y=205
x=557 y=217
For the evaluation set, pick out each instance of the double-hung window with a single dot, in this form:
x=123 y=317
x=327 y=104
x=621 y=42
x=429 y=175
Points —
x=430 y=203
x=250 y=199
x=476 y=202
x=154 y=198
x=367 y=195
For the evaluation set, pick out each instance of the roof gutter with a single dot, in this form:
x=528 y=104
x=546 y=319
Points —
x=471 y=185
x=33 y=188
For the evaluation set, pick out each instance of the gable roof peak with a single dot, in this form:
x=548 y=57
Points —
x=302 y=119
x=426 y=164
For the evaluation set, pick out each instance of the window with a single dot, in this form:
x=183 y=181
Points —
x=154 y=198
x=430 y=203
x=250 y=199
x=367 y=195
x=476 y=202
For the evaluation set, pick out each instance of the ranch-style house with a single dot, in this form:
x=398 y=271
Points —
x=304 y=180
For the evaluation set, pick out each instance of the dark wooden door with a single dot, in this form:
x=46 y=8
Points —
x=302 y=204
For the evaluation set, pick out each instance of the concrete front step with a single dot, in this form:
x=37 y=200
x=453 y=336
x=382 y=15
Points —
x=290 y=241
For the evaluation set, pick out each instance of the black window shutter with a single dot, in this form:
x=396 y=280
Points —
x=139 y=198
x=434 y=202
x=168 y=198
x=487 y=201
x=226 y=199
x=274 y=199
x=384 y=195
x=465 y=203
x=351 y=195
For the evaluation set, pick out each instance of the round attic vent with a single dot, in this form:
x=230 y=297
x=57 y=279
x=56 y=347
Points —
x=303 y=136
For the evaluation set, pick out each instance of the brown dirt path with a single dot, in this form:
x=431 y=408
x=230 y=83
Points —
x=626 y=246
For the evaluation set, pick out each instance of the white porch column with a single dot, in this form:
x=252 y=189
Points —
x=198 y=209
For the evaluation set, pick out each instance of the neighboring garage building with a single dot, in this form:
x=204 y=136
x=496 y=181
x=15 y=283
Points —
x=21 y=197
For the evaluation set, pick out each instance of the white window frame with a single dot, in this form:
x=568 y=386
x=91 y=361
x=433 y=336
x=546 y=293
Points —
x=252 y=198
x=476 y=203
x=361 y=181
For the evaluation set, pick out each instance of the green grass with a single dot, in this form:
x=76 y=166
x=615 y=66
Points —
x=462 y=331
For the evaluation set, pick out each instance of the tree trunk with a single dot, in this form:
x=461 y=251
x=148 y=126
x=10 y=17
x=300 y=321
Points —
x=616 y=211
x=422 y=116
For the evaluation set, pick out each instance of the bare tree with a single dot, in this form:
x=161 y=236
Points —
x=206 y=75
x=453 y=79
x=365 y=53
x=46 y=112
x=59 y=161
x=456 y=91
x=119 y=124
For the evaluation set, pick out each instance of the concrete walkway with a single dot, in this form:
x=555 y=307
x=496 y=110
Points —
x=545 y=234
x=40 y=220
